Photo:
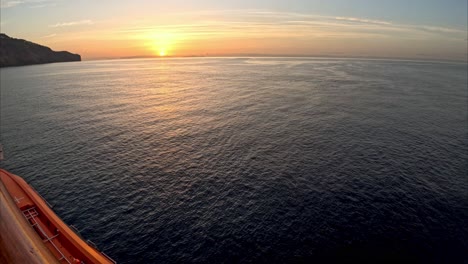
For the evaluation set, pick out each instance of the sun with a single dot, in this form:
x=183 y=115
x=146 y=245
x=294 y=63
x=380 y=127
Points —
x=162 y=44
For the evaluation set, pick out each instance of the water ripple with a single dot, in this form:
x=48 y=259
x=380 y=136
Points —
x=265 y=160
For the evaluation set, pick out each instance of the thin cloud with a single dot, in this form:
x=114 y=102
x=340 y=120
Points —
x=43 y=5
x=73 y=23
x=35 y=3
x=286 y=24
x=49 y=36
x=441 y=29
x=363 y=20
x=8 y=4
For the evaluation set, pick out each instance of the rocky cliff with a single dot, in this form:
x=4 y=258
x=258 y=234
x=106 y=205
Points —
x=18 y=52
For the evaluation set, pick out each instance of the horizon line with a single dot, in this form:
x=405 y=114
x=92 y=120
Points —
x=253 y=55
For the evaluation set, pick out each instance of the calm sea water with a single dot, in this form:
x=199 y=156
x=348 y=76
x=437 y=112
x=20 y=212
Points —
x=251 y=160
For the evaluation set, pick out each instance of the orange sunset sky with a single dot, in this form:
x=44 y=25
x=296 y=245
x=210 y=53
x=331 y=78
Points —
x=115 y=29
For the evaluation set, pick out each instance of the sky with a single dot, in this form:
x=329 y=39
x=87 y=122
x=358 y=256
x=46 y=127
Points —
x=415 y=29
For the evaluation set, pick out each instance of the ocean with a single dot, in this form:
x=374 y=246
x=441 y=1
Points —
x=248 y=160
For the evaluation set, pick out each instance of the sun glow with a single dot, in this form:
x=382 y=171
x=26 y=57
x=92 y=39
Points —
x=163 y=44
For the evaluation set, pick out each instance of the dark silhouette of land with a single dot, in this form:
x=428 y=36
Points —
x=19 y=52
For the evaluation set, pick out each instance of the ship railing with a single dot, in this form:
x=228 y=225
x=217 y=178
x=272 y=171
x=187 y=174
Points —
x=91 y=243
x=42 y=197
x=75 y=229
x=113 y=261
x=30 y=215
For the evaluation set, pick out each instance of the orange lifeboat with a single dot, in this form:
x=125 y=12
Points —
x=65 y=245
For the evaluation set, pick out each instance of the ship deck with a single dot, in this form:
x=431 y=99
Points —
x=60 y=240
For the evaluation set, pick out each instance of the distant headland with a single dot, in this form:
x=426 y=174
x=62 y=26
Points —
x=20 y=52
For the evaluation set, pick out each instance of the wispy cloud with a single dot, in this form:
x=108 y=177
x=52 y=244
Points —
x=362 y=20
x=31 y=3
x=73 y=23
x=43 y=5
x=441 y=29
x=259 y=24
x=8 y=4
x=49 y=36
x=257 y=31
